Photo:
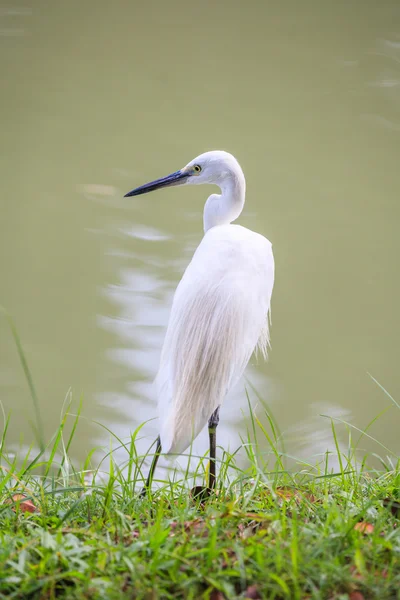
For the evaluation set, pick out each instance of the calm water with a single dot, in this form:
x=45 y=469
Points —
x=96 y=99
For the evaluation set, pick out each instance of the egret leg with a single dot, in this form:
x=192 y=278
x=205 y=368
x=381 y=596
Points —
x=212 y=432
x=149 y=479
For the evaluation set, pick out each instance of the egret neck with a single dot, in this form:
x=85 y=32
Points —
x=222 y=209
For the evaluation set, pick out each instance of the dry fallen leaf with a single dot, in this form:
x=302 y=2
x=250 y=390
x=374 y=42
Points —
x=21 y=501
x=287 y=493
x=364 y=527
x=356 y=596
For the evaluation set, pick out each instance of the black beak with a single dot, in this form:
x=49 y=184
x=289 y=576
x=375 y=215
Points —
x=177 y=178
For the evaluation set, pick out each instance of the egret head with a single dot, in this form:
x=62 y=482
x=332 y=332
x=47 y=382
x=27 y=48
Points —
x=211 y=167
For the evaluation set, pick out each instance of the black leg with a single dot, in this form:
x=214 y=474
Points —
x=212 y=432
x=152 y=468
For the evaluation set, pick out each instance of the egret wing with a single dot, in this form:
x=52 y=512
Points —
x=219 y=314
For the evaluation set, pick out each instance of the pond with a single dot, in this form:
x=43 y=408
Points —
x=97 y=99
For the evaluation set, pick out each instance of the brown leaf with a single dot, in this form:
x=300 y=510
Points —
x=252 y=592
x=251 y=515
x=287 y=493
x=364 y=527
x=25 y=505
x=356 y=596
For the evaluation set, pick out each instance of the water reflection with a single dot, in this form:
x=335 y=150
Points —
x=386 y=60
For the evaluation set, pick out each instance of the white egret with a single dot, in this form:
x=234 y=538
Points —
x=220 y=311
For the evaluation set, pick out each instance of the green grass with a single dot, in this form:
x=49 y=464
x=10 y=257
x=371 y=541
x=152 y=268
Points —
x=264 y=533
x=267 y=532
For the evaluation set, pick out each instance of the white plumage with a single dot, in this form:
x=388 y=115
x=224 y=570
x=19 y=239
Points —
x=220 y=312
x=219 y=315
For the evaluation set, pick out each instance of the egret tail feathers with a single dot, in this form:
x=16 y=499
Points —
x=208 y=344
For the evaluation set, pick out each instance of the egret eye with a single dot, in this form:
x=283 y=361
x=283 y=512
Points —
x=197 y=168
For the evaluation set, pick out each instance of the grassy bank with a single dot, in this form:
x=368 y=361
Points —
x=266 y=533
